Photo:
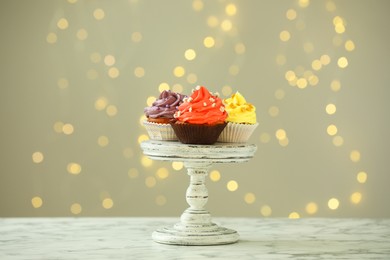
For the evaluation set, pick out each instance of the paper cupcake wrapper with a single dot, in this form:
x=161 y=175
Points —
x=237 y=133
x=162 y=132
x=197 y=134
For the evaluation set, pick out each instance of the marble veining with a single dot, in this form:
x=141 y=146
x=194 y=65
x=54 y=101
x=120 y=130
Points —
x=130 y=238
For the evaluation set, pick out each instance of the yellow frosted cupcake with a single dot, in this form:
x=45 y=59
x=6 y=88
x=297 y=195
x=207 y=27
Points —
x=241 y=120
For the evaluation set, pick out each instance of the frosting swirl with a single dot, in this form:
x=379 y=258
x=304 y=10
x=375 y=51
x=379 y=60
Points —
x=239 y=111
x=202 y=107
x=165 y=106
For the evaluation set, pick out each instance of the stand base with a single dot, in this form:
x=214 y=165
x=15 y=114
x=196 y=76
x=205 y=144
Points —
x=195 y=235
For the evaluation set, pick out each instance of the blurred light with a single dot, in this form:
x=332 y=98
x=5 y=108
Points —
x=150 y=181
x=62 y=83
x=113 y=72
x=273 y=111
x=339 y=28
x=284 y=142
x=73 y=168
x=133 y=173
x=342 y=62
x=331 y=130
x=330 y=6
x=337 y=20
x=142 y=138
x=311 y=208
x=308 y=47
x=265 y=138
x=139 y=72
x=62 y=24
x=103 y=141
x=177 y=166
x=179 y=71
x=226 y=25
x=316 y=65
x=333 y=203
x=161 y=200
x=190 y=54
x=197 y=5
x=162 y=173
x=234 y=70
x=150 y=100
x=68 y=129
x=249 y=198
x=163 y=86
x=290 y=75
x=109 y=60
x=75 y=208
x=58 y=127
x=101 y=103
x=280 y=134
x=279 y=94
x=291 y=14
x=266 y=211
x=37 y=157
x=294 y=215
x=36 y=202
x=107 y=203
x=239 y=48
x=111 y=110
x=325 y=59
x=212 y=21
x=354 y=155
x=338 y=141
x=335 y=85
x=192 y=78
x=330 y=109
x=128 y=153
x=301 y=83
x=146 y=162
x=98 y=14
x=361 y=177
x=92 y=74
x=209 y=42
x=136 y=37
x=51 y=38
x=95 y=57
x=231 y=9
x=215 y=175
x=72 y=1
x=349 y=45
x=232 y=185
x=303 y=3
x=82 y=34
x=177 y=88
x=356 y=197
x=227 y=90
x=280 y=59
x=284 y=36
x=142 y=118
x=313 y=80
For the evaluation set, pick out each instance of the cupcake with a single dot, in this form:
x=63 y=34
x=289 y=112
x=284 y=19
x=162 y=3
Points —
x=241 y=120
x=200 y=119
x=160 y=113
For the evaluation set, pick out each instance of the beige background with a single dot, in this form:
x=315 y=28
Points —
x=73 y=93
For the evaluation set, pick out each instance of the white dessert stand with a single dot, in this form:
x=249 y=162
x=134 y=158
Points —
x=195 y=226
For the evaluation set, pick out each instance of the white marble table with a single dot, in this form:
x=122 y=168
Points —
x=130 y=238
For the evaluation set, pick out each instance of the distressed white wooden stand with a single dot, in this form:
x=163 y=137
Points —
x=195 y=226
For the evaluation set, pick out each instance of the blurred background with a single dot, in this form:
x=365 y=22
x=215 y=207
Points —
x=76 y=76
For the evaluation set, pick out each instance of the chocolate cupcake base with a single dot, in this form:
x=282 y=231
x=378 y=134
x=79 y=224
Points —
x=197 y=134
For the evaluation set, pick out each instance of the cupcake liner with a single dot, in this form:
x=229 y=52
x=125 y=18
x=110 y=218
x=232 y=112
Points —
x=162 y=132
x=237 y=133
x=197 y=134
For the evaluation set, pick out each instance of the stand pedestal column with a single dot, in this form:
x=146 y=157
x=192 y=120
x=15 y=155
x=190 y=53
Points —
x=195 y=226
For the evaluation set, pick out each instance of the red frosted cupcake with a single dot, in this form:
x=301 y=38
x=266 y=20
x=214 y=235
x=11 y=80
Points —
x=200 y=119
